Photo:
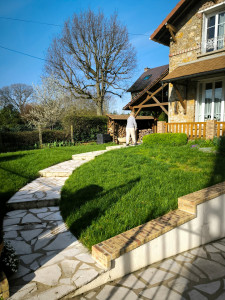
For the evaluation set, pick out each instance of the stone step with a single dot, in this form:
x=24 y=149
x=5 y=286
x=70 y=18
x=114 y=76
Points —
x=88 y=155
x=64 y=169
x=42 y=192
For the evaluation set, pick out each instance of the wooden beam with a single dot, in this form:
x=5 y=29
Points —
x=182 y=101
x=172 y=30
x=149 y=97
x=157 y=101
x=152 y=105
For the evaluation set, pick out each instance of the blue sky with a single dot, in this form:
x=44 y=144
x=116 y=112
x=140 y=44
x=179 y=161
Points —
x=140 y=17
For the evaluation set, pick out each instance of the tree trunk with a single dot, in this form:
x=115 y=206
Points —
x=100 y=108
x=40 y=135
x=71 y=133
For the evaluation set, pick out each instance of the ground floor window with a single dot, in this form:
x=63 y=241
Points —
x=210 y=100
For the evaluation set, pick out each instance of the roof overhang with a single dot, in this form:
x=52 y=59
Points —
x=125 y=117
x=162 y=34
x=197 y=69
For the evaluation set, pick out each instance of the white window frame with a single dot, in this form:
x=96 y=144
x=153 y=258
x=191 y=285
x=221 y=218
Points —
x=205 y=23
x=201 y=114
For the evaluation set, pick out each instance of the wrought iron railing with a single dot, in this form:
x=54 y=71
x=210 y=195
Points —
x=213 y=44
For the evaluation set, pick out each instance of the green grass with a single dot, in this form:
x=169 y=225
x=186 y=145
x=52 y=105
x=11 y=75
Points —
x=125 y=188
x=19 y=168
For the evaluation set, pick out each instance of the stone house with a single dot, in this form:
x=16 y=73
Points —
x=195 y=33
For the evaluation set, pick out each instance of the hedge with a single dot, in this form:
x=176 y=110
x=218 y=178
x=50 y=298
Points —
x=85 y=130
x=169 y=139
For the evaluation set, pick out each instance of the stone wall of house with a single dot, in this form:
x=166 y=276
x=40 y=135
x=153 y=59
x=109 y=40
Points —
x=186 y=49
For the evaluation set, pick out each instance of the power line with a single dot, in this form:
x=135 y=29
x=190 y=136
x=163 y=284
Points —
x=52 y=24
x=26 y=54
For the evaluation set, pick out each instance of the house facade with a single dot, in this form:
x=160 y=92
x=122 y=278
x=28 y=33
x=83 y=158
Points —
x=195 y=33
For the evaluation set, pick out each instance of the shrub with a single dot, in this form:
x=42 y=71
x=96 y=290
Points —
x=10 y=261
x=168 y=139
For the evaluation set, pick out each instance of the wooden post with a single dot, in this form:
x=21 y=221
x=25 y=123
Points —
x=113 y=131
x=71 y=133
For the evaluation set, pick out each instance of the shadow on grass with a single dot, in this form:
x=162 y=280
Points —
x=92 y=203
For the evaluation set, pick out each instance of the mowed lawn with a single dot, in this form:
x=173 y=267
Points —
x=124 y=188
x=19 y=168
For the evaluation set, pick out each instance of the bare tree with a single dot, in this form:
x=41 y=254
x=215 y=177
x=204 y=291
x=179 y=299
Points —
x=17 y=95
x=48 y=107
x=92 y=57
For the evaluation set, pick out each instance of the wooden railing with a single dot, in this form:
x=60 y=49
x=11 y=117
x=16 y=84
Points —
x=220 y=130
x=194 y=130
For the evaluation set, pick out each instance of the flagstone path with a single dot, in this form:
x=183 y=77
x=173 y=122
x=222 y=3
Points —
x=52 y=261
x=198 y=274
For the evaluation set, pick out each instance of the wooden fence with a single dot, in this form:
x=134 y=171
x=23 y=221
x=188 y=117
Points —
x=194 y=130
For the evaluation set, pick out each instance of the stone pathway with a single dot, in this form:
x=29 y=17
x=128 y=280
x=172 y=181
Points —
x=52 y=261
x=198 y=274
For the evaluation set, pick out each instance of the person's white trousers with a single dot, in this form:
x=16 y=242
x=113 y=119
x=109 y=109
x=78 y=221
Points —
x=130 y=132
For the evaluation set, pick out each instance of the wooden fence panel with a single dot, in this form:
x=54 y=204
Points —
x=194 y=130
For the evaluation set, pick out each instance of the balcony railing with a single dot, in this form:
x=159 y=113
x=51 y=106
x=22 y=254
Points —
x=213 y=44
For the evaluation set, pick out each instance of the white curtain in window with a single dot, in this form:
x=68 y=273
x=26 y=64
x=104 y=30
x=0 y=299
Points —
x=217 y=100
x=208 y=101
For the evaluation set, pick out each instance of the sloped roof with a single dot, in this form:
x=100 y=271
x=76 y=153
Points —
x=161 y=34
x=159 y=74
x=143 y=82
x=197 y=68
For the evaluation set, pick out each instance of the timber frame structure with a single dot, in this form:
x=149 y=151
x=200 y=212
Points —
x=154 y=95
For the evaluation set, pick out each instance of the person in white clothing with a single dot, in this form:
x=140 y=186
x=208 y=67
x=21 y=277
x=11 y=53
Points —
x=131 y=129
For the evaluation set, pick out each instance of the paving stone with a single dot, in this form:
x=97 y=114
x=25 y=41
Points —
x=21 y=247
x=213 y=269
x=41 y=242
x=51 y=259
x=62 y=241
x=71 y=252
x=10 y=235
x=30 y=234
x=27 y=259
x=195 y=270
x=116 y=293
x=218 y=258
x=53 y=208
x=162 y=293
x=132 y=282
x=9 y=221
x=85 y=258
x=173 y=266
x=219 y=246
x=16 y=213
x=195 y=295
x=53 y=217
x=82 y=277
x=34 y=266
x=183 y=258
x=24 y=291
x=210 y=248
x=209 y=288
x=44 y=214
x=153 y=275
x=54 y=293
x=180 y=284
x=38 y=210
x=65 y=281
x=84 y=266
x=21 y=272
x=221 y=297
x=42 y=275
x=199 y=252
x=29 y=218
x=69 y=266
x=12 y=228
x=90 y=295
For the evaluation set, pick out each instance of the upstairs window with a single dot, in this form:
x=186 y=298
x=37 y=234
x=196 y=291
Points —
x=214 y=32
